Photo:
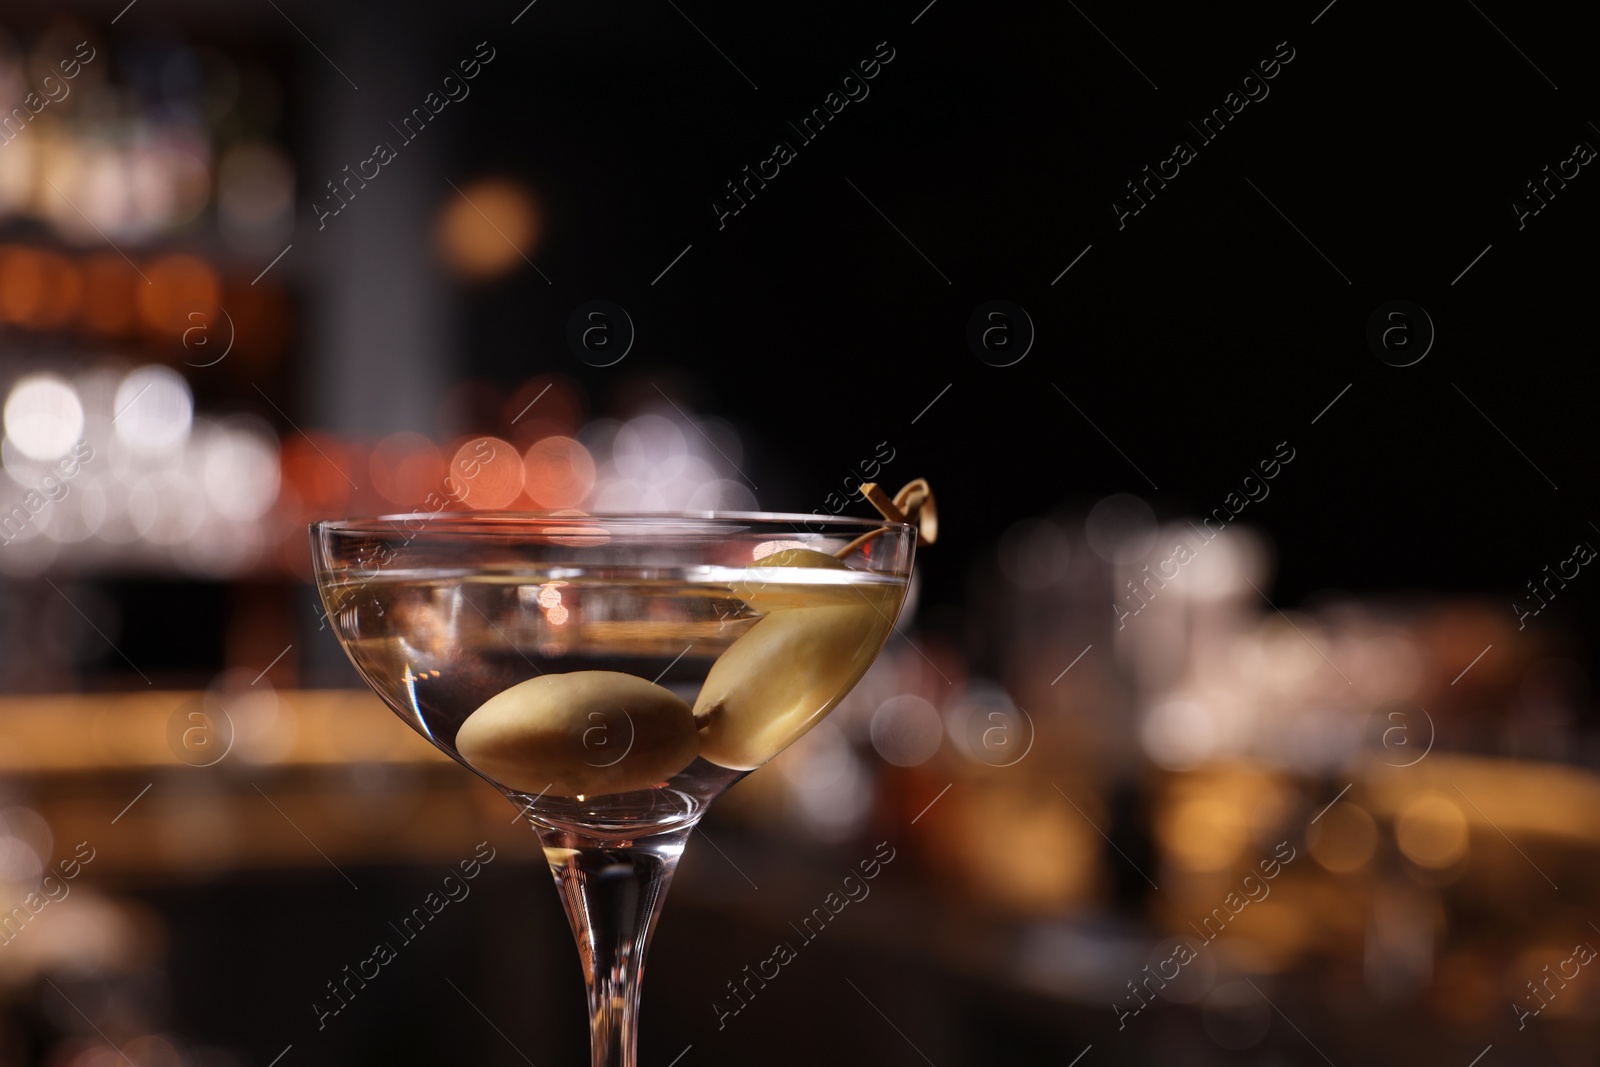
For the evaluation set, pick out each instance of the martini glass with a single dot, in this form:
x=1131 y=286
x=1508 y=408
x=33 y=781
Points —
x=612 y=675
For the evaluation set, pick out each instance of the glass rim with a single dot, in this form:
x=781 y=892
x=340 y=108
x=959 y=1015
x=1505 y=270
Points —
x=489 y=519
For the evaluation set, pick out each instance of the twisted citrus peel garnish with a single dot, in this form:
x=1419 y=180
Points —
x=912 y=505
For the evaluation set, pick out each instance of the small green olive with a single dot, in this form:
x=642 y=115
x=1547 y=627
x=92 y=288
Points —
x=783 y=675
x=586 y=733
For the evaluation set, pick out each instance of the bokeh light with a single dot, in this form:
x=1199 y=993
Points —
x=39 y=289
x=546 y=405
x=255 y=195
x=154 y=410
x=241 y=471
x=406 y=467
x=1121 y=528
x=558 y=473
x=110 y=304
x=315 y=468
x=43 y=416
x=1431 y=831
x=654 y=462
x=489 y=227
x=906 y=730
x=1344 y=838
x=178 y=284
x=1179 y=735
x=486 y=473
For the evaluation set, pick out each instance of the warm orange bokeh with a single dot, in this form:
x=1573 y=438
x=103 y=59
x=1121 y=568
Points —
x=318 y=469
x=543 y=406
x=486 y=473
x=109 y=306
x=178 y=284
x=488 y=227
x=406 y=467
x=38 y=289
x=559 y=472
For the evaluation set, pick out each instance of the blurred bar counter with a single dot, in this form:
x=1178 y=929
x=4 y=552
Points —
x=188 y=783
x=1023 y=903
x=113 y=732
x=167 y=783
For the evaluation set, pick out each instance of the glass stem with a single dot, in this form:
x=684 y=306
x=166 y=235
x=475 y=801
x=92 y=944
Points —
x=612 y=892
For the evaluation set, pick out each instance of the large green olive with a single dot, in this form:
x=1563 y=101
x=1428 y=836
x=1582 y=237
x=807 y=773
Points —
x=586 y=733
x=783 y=675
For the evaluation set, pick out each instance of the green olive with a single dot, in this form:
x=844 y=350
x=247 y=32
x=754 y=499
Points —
x=586 y=733
x=799 y=557
x=770 y=584
x=783 y=675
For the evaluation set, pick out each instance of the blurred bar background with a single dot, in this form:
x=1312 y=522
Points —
x=1093 y=738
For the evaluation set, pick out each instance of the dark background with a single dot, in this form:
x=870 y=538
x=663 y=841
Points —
x=1196 y=338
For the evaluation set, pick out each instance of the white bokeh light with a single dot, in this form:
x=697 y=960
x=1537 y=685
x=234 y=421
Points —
x=241 y=473
x=153 y=410
x=654 y=462
x=650 y=448
x=828 y=784
x=24 y=838
x=217 y=550
x=1179 y=735
x=906 y=730
x=167 y=508
x=43 y=416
